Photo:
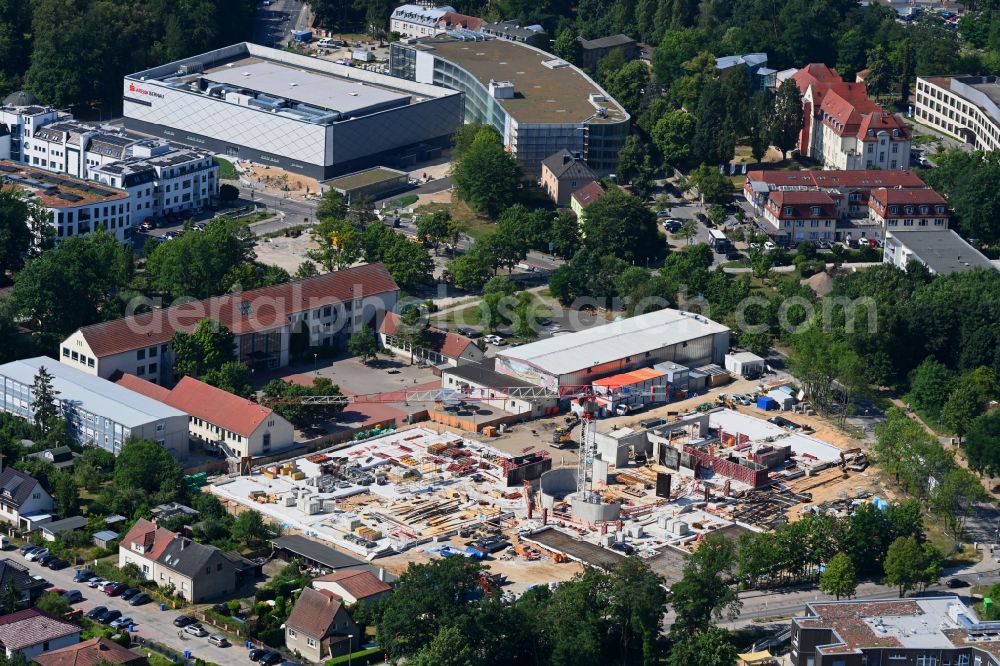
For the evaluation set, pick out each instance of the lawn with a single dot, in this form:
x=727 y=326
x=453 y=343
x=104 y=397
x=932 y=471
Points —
x=475 y=227
x=946 y=544
x=226 y=169
x=404 y=201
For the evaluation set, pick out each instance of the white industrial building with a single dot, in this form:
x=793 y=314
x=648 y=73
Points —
x=579 y=358
x=942 y=251
x=99 y=412
x=299 y=113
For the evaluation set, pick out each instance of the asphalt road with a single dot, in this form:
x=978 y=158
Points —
x=275 y=22
x=151 y=622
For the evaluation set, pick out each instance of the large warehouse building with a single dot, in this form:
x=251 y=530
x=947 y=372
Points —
x=302 y=114
x=539 y=103
x=579 y=358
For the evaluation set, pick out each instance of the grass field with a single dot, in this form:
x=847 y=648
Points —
x=404 y=201
x=226 y=169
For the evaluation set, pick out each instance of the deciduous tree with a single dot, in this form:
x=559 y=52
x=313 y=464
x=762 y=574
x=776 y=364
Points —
x=838 y=578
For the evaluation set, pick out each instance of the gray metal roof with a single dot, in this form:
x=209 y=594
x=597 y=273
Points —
x=322 y=90
x=315 y=551
x=943 y=251
x=64 y=525
x=105 y=535
x=565 y=354
x=483 y=374
x=90 y=393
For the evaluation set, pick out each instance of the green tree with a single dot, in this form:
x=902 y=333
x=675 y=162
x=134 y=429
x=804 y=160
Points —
x=620 y=225
x=332 y=206
x=838 y=578
x=44 y=405
x=969 y=397
x=228 y=193
x=306 y=270
x=146 y=467
x=208 y=347
x=285 y=399
x=449 y=647
x=9 y=599
x=786 y=117
x=930 y=385
x=713 y=186
x=968 y=181
x=982 y=444
x=487 y=176
x=565 y=234
x=714 y=139
x=232 y=376
x=711 y=647
x=629 y=84
x=462 y=140
x=566 y=46
x=705 y=591
x=363 y=345
x=672 y=136
x=21 y=221
x=72 y=285
x=203 y=264
x=435 y=227
x=955 y=498
x=909 y=564
x=65 y=493
x=878 y=80
x=758 y=125
x=471 y=270
x=53 y=604
x=251 y=530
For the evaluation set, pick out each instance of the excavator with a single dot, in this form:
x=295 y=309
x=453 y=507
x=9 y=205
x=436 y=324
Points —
x=561 y=437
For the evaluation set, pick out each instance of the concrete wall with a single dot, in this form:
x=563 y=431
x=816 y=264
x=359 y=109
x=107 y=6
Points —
x=557 y=483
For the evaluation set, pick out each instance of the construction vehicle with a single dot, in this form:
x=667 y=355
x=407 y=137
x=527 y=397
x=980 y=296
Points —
x=561 y=437
x=854 y=460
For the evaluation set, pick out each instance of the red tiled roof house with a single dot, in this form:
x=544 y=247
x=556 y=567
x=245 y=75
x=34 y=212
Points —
x=908 y=210
x=329 y=307
x=353 y=585
x=801 y=215
x=319 y=627
x=445 y=348
x=235 y=425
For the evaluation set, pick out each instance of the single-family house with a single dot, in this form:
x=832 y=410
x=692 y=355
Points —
x=96 y=651
x=583 y=197
x=142 y=546
x=563 y=173
x=61 y=457
x=17 y=576
x=443 y=347
x=199 y=572
x=320 y=627
x=24 y=503
x=353 y=585
x=32 y=632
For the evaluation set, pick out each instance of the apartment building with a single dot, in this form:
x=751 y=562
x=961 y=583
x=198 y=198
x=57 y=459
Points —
x=925 y=631
x=74 y=207
x=20 y=115
x=796 y=216
x=417 y=21
x=98 y=412
x=844 y=129
x=329 y=307
x=220 y=420
x=942 y=251
x=908 y=210
x=563 y=174
x=162 y=179
x=850 y=189
x=964 y=107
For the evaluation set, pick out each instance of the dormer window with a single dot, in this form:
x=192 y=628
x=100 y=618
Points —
x=893 y=209
x=788 y=210
x=909 y=210
x=924 y=210
x=816 y=210
x=940 y=209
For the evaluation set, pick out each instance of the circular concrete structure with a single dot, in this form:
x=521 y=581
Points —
x=592 y=512
x=557 y=484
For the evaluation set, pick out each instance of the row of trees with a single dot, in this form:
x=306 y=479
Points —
x=75 y=52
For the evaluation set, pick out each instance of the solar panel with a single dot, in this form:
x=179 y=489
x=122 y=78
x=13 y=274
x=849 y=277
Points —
x=69 y=197
x=7 y=168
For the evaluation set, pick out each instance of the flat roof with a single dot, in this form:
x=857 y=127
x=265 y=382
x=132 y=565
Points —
x=569 y=353
x=315 y=551
x=944 y=251
x=759 y=430
x=484 y=375
x=91 y=393
x=56 y=190
x=309 y=87
x=547 y=90
x=364 y=178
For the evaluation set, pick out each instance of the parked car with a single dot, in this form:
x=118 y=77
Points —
x=257 y=653
x=623 y=547
x=34 y=555
x=115 y=589
x=183 y=620
x=96 y=611
x=195 y=630
x=58 y=590
x=129 y=593
x=957 y=582
x=147 y=225
x=218 y=640
x=163 y=238
x=107 y=585
x=45 y=559
x=140 y=599
x=73 y=596
x=733 y=255
x=109 y=616
x=271 y=659
x=673 y=226
x=469 y=332
x=27 y=548
x=57 y=564
x=123 y=622
x=40 y=579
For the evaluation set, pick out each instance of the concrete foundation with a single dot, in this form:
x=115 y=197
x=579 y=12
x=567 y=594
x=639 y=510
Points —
x=591 y=512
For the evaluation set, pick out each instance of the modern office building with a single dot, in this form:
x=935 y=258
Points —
x=965 y=107
x=73 y=148
x=329 y=308
x=943 y=251
x=579 y=358
x=538 y=103
x=20 y=115
x=75 y=207
x=925 y=631
x=303 y=114
x=162 y=179
x=99 y=412
x=761 y=76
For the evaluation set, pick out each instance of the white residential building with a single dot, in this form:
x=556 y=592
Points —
x=75 y=207
x=162 y=179
x=942 y=251
x=965 y=107
x=417 y=21
x=24 y=503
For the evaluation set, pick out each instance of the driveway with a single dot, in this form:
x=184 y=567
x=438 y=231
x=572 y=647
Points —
x=151 y=623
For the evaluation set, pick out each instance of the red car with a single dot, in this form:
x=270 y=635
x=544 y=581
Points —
x=115 y=589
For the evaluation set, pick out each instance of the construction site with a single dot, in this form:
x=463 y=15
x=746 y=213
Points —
x=656 y=490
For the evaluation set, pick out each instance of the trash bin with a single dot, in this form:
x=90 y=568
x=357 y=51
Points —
x=163 y=607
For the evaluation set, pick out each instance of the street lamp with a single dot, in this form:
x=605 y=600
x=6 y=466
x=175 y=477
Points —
x=316 y=364
x=350 y=648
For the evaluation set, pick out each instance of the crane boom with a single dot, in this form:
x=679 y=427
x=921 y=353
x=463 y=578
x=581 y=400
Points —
x=430 y=395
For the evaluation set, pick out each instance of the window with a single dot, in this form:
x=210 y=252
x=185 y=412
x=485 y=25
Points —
x=152 y=352
x=90 y=362
x=141 y=370
x=76 y=357
x=140 y=354
x=65 y=352
x=311 y=642
x=292 y=633
x=152 y=368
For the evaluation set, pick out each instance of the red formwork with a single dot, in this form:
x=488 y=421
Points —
x=733 y=470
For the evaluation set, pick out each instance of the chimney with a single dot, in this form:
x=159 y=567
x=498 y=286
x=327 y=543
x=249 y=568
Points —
x=567 y=158
x=183 y=543
x=381 y=574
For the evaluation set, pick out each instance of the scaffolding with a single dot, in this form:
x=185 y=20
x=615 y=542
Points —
x=588 y=450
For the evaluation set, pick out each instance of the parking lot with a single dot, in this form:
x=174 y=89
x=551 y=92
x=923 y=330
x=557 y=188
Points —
x=151 y=623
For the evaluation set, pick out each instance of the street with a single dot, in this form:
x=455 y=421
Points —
x=274 y=22
x=151 y=622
